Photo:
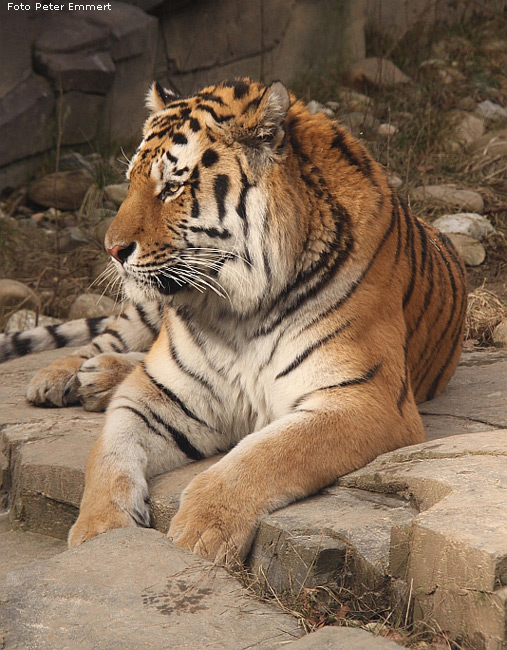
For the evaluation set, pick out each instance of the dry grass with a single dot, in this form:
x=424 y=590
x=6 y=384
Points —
x=484 y=313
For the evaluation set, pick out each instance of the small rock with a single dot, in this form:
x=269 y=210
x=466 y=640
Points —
x=16 y=295
x=89 y=305
x=471 y=250
x=62 y=190
x=491 y=110
x=117 y=193
x=25 y=319
x=467 y=223
x=468 y=128
x=353 y=100
x=72 y=238
x=387 y=129
x=334 y=106
x=394 y=181
x=376 y=72
x=449 y=194
x=500 y=335
x=491 y=144
x=441 y=70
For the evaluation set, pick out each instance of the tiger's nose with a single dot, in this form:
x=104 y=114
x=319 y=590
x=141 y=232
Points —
x=121 y=253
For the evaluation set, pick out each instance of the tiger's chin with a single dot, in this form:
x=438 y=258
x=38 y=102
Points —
x=160 y=292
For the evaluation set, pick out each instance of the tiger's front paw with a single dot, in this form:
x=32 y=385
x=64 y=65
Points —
x=109 y=504
x=57 y=384
x=214 y=520
x=99 y=376
x=92 y=523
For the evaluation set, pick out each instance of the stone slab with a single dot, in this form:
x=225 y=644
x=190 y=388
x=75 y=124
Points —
x=319 y=541
x=25 y=120
x=89 y=73
x=431 y=515
x=75 y=34
x=342 y=638
x=85 y=599
x=454 y=552
x=20 y=548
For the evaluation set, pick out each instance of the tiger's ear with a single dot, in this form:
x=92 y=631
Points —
x=158 y=97
x=262 y=128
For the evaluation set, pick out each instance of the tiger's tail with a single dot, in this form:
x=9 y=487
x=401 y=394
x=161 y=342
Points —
x=49 y=337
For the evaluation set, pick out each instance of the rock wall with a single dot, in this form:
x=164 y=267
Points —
x=77 y=79
x=70 y=78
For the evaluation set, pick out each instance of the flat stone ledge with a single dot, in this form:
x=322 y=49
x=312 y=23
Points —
x=432 y=516
x=97 y=596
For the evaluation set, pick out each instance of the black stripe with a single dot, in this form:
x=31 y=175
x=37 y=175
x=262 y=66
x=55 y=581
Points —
x=21 y=344
x=240 y=88
x=208 y=109
x=424 y=244
x=338 y=250
x=209 y=158
x=194 y=125
x=174 y=398
x=306 y=353
x=396 y=210
x=117 y=336
x=220 y=188
x=241 y=207
x=410 y=252
x=443 y=332
x=402 y=397
x=60 y=340
x=144 y=319
x=194 y=375
x=356 y=381
x=455 y=339
x=178 y=438
x=363 y=165
x=427 y=298
x=95 y=325
x=339 y=303
x=211 y=97
x=212 y=232
x=195 y=208
x=179 y=138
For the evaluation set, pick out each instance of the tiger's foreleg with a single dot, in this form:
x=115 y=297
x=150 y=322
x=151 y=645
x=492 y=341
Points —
x=148 y=430
x=289 y=459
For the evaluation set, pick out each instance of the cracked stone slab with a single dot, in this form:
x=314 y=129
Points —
x=96 y=596
x=454 y=552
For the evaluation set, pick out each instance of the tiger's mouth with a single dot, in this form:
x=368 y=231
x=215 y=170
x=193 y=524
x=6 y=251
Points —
x=187 y=272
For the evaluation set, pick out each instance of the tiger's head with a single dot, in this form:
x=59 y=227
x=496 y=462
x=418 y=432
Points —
x=203 y=181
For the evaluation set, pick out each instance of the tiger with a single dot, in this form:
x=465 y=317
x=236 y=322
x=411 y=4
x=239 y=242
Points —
x=293 y=308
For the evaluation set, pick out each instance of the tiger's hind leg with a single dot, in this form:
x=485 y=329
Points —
x=148 y=430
